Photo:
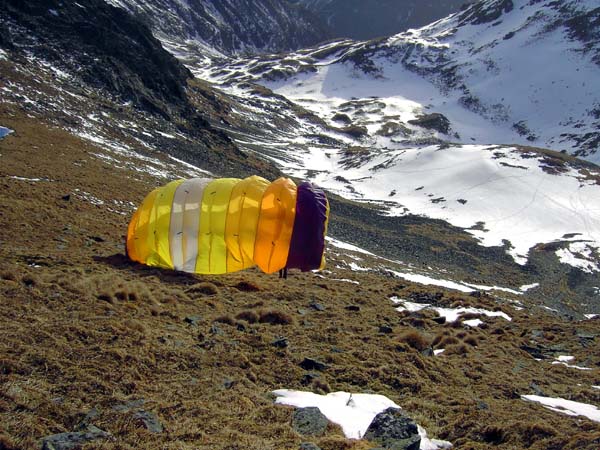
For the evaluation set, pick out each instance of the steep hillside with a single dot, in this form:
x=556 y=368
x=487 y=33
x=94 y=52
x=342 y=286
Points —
x=230 y=26
x=98 y=72
x=358 y=19
x=99 y=352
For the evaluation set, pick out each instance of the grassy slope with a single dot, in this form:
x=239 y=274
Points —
x=83 y=328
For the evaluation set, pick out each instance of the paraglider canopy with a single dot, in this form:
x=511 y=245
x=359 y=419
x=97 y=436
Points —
x=224 y=225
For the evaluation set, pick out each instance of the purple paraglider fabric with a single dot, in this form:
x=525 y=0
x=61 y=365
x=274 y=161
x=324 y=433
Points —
x=308 y=236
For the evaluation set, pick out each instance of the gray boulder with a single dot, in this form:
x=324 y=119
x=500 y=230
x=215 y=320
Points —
x=150 y=421
x=68 y=441
x=309 y=421
x=393 y=430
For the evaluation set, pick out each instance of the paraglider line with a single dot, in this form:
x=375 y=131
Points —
x=239 y=228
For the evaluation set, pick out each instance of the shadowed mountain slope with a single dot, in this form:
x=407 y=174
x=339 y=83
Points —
x=231 y=26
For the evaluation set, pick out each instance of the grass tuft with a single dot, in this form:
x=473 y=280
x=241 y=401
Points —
x=494 y=435
x=248 y=316
x=206 y=288
x=9 y=275
x=415 y=340
x=456 y=349
x=247 y=286
x=275 y=317
x=471 y=340
x=30 y=280
x=226 y=319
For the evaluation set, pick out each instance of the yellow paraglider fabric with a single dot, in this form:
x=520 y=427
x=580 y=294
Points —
x=138 y=244
x=212 y=249
x=131 y=239
x=162 y=219
x=275 y=225
x=242 y=222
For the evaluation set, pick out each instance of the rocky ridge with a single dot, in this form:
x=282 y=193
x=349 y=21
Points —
x=367 y=20
x=230 y=26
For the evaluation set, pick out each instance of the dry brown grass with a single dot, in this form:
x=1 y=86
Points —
x=414 y=339
x=275 y=317
x=248 y=316
x=247 y=286
x=83 y=328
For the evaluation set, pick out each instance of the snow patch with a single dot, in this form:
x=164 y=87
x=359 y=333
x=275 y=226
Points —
x=357 y=268
x=451 y=314
x=167 y=135
x=568 y=407
x=346 y=246
x=473 y=322
x=5 y=132
x=564 y=359
x=86 y=196
x=15 y=177
x=353 y=412
x=191 y=169
x=527 y=287
x=581 y=255
x=493 y=288
x=423 y=279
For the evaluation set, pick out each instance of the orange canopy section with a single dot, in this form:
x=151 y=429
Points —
x=275 y=225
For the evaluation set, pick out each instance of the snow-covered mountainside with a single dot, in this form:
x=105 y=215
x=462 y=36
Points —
x=230 y=26
x=359 y=19
x=418 y=122
x=526 y=73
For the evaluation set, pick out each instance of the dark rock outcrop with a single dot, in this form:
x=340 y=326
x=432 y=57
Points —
x=313 y=364
x=104 y=45
x=359 y=19
x=68 y=441
x=234 y=26
x=433 y=121
x=485 y=12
